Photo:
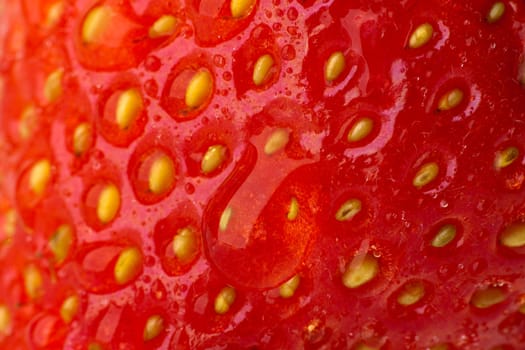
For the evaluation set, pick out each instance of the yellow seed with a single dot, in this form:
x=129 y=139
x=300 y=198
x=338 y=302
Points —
x=276 y=141
x=60 y=243
x=241 y=8
x=363 y=346
x=521 y=309
x=213 y=158
x=361 y=273
x=28 y=119
x=293 y=210
x=412 y=293
x=53 y=86
x=421 y=35
x=5 y=320
x=425 y=175
x=128 y=265
x=513 y=236
x=261 y=69
x=69 y=308
x=185 y=245
x=164 y=26
x=348 y=210
x=506 y=157
x=95 y=346
x=361 y=129
x=82 y=138
x=161 y=175
x=154 y=326
x=129 y=106
x=54 y=14
x=224 y=300
x=496 y=12
x=440 y=347
x=225 y=218
x=444 y=236
x=288 y=288
x=334 y=66
x=108 y=203
x=33 y=282
x=10 y=222
x=96 y=24
x=450 y=100
x=485 y=298
x=39 y=176
x=199 y=89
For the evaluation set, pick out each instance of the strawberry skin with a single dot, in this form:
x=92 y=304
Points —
x=262 y=174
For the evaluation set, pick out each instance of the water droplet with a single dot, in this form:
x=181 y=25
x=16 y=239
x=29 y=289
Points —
x=288 y=53
x=292 y=14
x=152 y=63
x=219 y=61
x=189 y=188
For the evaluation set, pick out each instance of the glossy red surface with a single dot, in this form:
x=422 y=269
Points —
x=399 y=88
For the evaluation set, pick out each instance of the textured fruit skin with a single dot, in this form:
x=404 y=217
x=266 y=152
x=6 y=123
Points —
x=399 y=88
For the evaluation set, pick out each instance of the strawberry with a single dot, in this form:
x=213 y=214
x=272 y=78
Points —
x=256 y=174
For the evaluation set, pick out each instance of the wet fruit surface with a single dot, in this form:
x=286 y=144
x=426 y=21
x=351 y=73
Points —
x=270 y=174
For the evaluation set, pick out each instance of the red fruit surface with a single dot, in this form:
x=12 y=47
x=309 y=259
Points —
x=363 y=189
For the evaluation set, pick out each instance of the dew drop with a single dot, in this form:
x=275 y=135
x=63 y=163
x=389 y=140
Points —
x=288 y=53
x=152 y=63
